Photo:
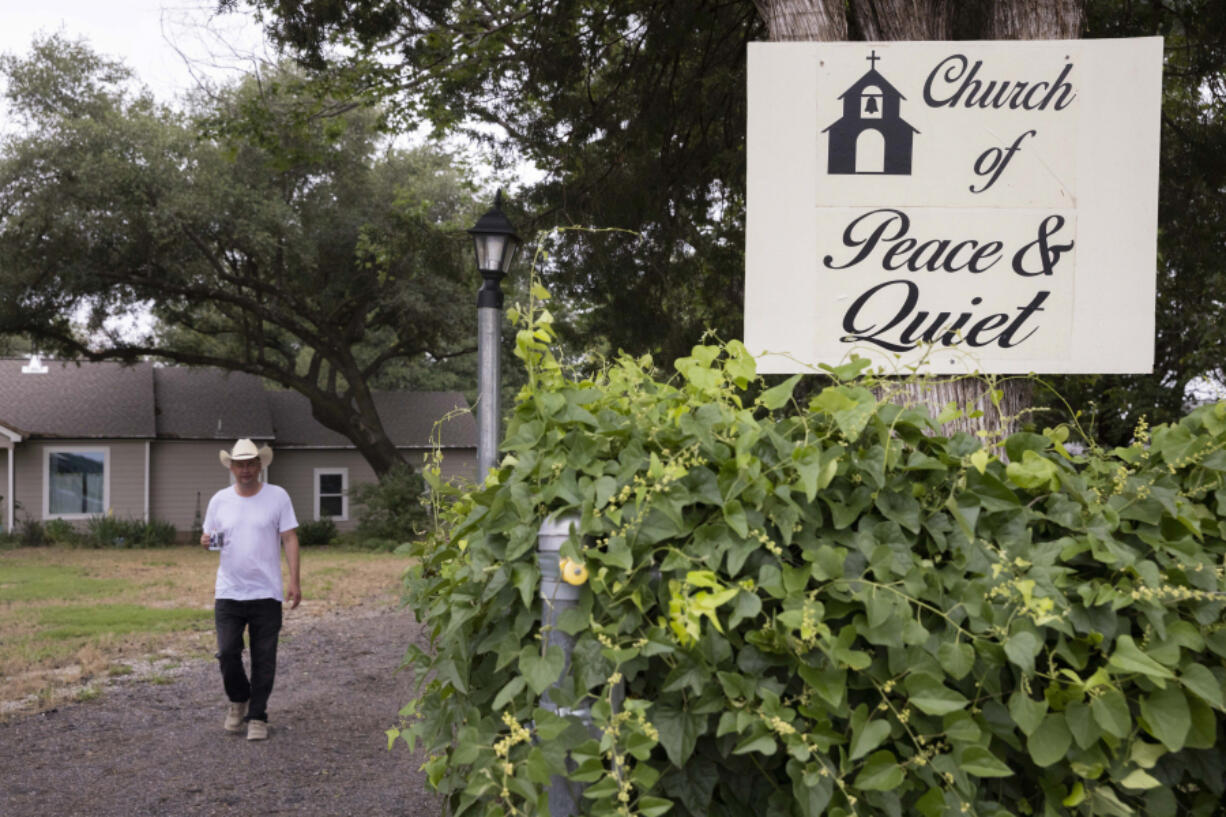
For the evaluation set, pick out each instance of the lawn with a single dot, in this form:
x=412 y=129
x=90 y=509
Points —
x=69 y=617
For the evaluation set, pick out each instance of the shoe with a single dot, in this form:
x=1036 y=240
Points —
x=234 y=717
x=257 y=730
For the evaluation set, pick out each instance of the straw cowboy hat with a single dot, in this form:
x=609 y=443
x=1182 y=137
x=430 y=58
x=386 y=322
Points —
x=244 y=449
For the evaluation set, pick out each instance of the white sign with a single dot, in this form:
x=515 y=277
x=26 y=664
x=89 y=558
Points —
x=961 y=206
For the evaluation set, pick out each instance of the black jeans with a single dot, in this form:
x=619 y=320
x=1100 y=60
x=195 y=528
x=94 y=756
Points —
x=263 y=619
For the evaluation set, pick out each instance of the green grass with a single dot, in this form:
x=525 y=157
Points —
x=118 y=619
x=53 y=582
x=86 y=611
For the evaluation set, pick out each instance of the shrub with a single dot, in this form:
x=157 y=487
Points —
x=392 y=507
x=32 y=533
x=60 y=532
x=353 y=541
x=825 y=609
x=159 y=534
x=322 y=532
x=109 y=531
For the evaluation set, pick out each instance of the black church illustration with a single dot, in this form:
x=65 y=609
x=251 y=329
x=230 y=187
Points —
x=871 y=137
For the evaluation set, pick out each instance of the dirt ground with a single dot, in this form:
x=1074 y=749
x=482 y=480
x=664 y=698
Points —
x=158 y=748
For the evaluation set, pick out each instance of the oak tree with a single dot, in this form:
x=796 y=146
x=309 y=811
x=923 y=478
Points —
x=268 y=229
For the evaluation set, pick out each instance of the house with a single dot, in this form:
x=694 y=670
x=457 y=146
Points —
x=871 y=136
x=141 y=441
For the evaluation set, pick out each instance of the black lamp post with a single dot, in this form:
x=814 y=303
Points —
x=496 y=244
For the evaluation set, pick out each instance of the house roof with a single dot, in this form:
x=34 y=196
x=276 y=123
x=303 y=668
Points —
x=408 y=417
x=73 y=400
x=143 y=401
x=204 y=404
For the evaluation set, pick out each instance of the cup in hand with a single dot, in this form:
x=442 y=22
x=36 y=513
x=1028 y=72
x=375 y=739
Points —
x=217 y=541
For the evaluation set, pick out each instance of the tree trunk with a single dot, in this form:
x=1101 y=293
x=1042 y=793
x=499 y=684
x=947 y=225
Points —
x=823 y=20
x=363 y=428
x=828 y=20
x=1034 y=20
x=904 y=19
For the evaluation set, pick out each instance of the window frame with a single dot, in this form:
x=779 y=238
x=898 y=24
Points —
x=104 y=450
x=344 y=494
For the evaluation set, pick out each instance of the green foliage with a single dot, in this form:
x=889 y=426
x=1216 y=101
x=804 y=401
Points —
x=320 y=532
x=1190 y=342
x=268 y=227
x=60 y=532
x=158 y=533
x=635 y=110
x=109 y=531
x=826 y=608
x=636 y=113
x=352 y=540
x=32 y=534
x=390 y=509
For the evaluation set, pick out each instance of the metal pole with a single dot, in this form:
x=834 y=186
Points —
x=495 y=243
x=556 y=597
x=489 y=385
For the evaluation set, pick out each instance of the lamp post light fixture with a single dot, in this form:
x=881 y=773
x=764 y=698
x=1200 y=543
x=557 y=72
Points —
x=496 y=244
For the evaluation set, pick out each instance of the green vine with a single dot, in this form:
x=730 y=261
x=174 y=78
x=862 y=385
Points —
x=830 y=608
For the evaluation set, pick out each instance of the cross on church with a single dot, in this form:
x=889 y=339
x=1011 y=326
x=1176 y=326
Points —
x=872 y=60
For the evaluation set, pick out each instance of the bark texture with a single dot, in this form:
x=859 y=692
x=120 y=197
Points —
x=904 y=19
x=1034 y=20
x=822 y=20
x=830 y=20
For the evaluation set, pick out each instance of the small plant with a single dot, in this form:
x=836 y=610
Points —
x=44 y=697
x=33 y=534
x=109 y=531
x=355 y=541
x=381 y=545
x=60 y=532
x=157 y=533
x=88 y=693
x=321 y=532
x=391 y=508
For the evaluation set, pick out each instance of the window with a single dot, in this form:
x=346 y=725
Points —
x=76 y=482
x=332 y=493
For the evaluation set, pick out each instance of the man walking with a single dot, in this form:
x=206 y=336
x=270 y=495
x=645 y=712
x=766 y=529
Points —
x=251 y=521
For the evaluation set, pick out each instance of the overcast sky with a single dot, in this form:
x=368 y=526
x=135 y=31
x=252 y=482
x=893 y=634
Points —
x=148 y=35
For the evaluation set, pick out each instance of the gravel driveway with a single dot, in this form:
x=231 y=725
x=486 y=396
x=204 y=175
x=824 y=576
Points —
x=144 y=748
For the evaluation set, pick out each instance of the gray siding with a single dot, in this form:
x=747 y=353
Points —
x=183 y=469
x=125 y=472
x=294 y=470
x=458 y=464
x=6 y=491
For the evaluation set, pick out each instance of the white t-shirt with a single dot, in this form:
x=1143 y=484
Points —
x=250 y=565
